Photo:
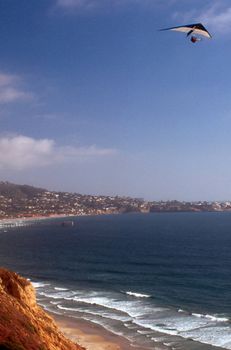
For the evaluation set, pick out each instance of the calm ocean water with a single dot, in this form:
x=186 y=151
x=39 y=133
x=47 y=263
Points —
x=153 y=278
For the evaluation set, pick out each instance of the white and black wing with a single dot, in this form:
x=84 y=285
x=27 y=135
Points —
x=196 y=28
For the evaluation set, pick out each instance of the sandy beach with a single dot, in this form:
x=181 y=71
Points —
x=24 y=219
x=90 y=335
x=94 y=337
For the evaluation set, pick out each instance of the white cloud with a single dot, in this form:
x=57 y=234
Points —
x=10 y=91
x=19 y=152
x=22 y=152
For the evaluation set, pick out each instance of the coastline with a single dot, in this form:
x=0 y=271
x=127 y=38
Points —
x=19 y=221
x=93 y=336
x=24 y=220
x=67 y=286
x=89 y=335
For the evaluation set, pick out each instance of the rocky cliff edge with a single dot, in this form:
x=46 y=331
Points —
x=23 y=324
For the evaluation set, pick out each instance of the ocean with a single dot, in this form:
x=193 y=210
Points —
x=158 y=280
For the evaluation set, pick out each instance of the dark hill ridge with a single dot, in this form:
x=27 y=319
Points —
x=23 y=324
x=17 y=201
x=8 y=189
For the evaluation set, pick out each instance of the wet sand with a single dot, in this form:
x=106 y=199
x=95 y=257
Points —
x=90 y=335
x=94 y=337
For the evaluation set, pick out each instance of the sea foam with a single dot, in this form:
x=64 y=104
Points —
x=138 y=295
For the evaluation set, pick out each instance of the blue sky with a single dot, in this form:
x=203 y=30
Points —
x=94 y=99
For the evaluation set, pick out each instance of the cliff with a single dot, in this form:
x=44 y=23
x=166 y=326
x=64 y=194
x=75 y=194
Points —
x=23 y=324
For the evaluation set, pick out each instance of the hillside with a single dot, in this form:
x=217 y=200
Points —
x=19 y=201
x=27 y=201
x=23 y=324
x=8 y=189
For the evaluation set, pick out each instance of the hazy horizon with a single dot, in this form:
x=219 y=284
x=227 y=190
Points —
x=95 y=100
x=119 y=195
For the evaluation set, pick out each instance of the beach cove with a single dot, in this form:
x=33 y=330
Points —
x=90 y=336
x=145 y=281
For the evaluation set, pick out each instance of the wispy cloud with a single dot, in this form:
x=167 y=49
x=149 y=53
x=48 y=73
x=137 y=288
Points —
x=74 y=3
x=88 y=5
x=7 y=79
x=10 y=94
x=21 y=152
x=10 y=90
x=216 y=16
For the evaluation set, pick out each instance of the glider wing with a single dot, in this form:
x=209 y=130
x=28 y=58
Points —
x=196 y=28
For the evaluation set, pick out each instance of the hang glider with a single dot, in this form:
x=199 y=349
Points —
x=192 y=30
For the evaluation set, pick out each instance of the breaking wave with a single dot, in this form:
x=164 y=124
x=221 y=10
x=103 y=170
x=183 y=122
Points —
x=138 y=295
x=139 y=315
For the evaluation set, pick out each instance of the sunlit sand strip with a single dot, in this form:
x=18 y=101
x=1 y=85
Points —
x=90 y=336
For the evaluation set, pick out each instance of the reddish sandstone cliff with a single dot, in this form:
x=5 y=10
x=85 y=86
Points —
x=23 y=324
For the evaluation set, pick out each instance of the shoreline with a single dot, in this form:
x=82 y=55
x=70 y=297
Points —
x=15 y=220
x=90 y=335
x=10 y=222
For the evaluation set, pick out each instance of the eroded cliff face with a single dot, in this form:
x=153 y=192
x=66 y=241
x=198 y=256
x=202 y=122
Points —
x=23 y=324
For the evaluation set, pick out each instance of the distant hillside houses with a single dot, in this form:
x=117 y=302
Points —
x=18 y=201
